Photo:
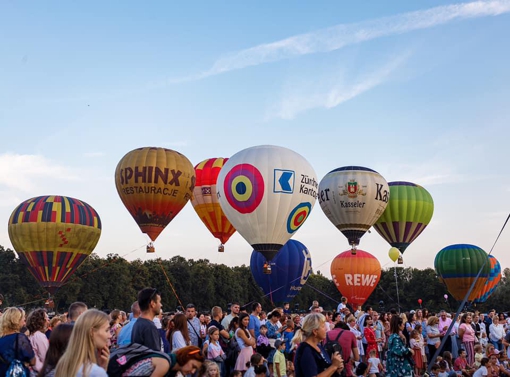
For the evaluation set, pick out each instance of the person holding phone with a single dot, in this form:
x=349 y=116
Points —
x=311 y=359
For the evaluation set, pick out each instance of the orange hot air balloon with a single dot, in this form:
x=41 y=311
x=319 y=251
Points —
x=205 y=200
x=356 y=276
x=154 y=184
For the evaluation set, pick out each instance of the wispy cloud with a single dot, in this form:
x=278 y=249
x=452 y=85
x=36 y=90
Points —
x=331 y=91
x=339 y=36
x=24 y=172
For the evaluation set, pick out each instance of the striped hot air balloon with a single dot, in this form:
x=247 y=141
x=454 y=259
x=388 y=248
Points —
x=492 y=283
x=53 y=235
x=457 y=267
x=205 y=200
x=408 y=213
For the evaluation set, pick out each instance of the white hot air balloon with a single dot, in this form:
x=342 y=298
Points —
x=353 y=198
x=267 y=193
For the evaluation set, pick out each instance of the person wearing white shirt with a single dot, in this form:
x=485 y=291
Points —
x=496 y=333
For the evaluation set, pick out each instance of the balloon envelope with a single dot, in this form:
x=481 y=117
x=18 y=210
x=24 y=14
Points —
x=154 y=184
x=267 y=193
x=492 y=283
x=205 y=199
x=457 y=267
x=408 y=213
x=53 y=235
x=356 y=275
x=353 y=198
x=290 y=270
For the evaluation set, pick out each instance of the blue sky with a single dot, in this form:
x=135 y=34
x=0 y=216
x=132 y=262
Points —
x=418 y=91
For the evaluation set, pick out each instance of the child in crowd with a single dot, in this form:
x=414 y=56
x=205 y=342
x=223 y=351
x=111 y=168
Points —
x=482 y=371
x=263 y=346
x=214 y=350
x=260 y=371
x=255 y=361
x=236 y=373
x=442 y=369
x=362 y=370
x=416 y=343
x=478 y=356
x=435 y=370
x=374 y=364
x=483 y=340
x=279 y=361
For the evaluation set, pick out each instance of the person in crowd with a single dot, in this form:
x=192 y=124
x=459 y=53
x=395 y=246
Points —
x=496 y=333
x=123 y=318
x=398 y=356
x=124 y=336
x=254 y=325
x=263 y=346
x=75 y=310
x=217 y=315
x=482 y=370
x=246 y=342
x=144 y=329
x=13 y=344
x=433 y=336
x=374 y=364
x=255 y=360
x=234 y=312
x=347 y=340
x=461 y=366
x=214 y=350
x=353 y=327
x=88 y=352
x=115 y=327
x=163 y=331
x=37 y=324
x=54 y=322
x=274 y=331
x=369 y=333
x=209 y=369
x=279 y=361
x=311 y=359
x=444 y=325
x=59 y=339
x=179 y=337
x=478 y=355
x=467 y=336
x=194 y=326
x=416 y=344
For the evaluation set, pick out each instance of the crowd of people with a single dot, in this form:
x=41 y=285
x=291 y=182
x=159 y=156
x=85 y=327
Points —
x=249 y=342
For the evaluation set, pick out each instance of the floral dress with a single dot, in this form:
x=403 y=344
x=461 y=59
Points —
x=397 y=362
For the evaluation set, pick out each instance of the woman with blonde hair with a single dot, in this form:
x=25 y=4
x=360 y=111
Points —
x=13 y=345
x=88 y=351
x=311 y=359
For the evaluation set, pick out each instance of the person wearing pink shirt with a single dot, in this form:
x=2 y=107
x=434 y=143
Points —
x=444 y=324
x=37 y=324
x=467 y=336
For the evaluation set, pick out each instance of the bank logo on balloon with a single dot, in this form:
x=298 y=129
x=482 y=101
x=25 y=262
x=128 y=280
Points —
x=284 y=181
x=244 y=188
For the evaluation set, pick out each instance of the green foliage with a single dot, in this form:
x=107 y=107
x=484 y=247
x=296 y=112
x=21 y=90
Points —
x=113 y=282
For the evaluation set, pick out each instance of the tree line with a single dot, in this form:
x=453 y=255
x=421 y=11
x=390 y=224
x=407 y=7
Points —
x=113 y=282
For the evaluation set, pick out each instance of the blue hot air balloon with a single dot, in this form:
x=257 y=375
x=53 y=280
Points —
x=290 y=270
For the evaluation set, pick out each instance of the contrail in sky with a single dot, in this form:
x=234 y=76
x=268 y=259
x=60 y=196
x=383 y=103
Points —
x=339 y=36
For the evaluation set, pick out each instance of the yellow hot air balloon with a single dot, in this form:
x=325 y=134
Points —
x=53 y=235
x=394 y=254
x=154 y=184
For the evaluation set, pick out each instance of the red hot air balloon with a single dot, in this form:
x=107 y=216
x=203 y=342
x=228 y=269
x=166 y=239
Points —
x=356 y=275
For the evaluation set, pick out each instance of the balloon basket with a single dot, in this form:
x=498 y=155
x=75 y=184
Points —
x=151 y=248
x=400 y=260
x=221 y=248
x=353 y=250
x=267 y=268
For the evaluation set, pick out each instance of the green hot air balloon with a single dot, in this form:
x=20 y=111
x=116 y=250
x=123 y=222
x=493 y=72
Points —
x=457 y=267
x=408 y=213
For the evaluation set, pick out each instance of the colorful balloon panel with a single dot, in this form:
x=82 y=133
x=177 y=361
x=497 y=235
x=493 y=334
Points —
x=408 y=213
x=154 y=184
x=53 y=235
x=205 y=199
x=457 y=267
x=267 y=193
x=492 y=283
x=291 y=268
x=356 y=275
x=353 y=198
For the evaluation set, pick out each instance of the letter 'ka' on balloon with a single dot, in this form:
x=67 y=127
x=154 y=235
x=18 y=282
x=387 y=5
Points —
x=457 y=267
x=353 y=198
x=356 y=276
x=267 y=193
x=291 y=268
x=53 y=235
x=205 y=199
x=408 y=213
x=154 y=184
x=492 y=283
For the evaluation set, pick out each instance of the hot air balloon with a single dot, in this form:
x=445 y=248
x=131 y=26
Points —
x=408 y=213
x=457 y=267
x=267 y=193
x=356 y=276
x=53 y=235
x=154 y=184
x=394 y=254
x=205 y=200
x=353 y=198
x=492 y=283
x=291 y=267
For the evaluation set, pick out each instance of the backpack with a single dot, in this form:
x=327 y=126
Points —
x=125 y=356
x=333 y=346
x=16 y=367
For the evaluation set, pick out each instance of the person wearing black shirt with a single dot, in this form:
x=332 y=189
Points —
x=144 y=329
